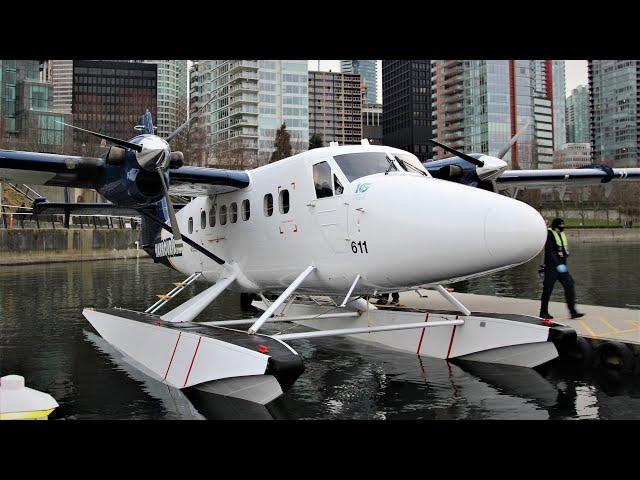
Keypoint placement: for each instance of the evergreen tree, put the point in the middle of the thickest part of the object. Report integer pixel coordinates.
(315, 141)
(282, 144)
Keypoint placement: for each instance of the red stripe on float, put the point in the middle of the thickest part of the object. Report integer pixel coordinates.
(422, 334)
(174, 352)
(453, 334)
(192, 360)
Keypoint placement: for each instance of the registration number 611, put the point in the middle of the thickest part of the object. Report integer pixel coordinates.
(359, 247)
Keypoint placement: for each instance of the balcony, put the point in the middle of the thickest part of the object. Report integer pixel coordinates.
(237, 65)
(243, 87)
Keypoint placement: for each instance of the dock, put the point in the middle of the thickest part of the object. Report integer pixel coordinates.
(598, 324)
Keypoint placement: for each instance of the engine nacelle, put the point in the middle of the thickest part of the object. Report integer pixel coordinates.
(128, 185)
(176, 159)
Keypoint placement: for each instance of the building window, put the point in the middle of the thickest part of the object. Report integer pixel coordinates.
(190, 224)
(223, 215)
(233, 212)
(212, 217)
(284, 201)
(246, 210)
(203, 219)
(268, 205)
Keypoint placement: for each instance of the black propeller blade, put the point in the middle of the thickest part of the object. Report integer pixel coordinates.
(117, 141)
(464, 156)
(188, 120)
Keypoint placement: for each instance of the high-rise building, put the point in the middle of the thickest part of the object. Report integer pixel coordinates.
(614, 97)
(478, 105)
(369, 71)
(62, 79)
(172, 95)
(549, 82)
(578, 115)
(573, 155)
(27, 119)
(253, 99)
(407, 105)
(372, 123)
(110, 96)
(335, 107)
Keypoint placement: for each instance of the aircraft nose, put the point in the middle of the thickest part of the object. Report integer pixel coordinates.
(514, 232)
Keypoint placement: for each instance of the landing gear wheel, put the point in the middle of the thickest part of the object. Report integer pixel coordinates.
(615, 355)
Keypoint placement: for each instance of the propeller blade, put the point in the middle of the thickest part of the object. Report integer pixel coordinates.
(177, 238)
(177, 131)
(464, 156)
(117, 141)
(513, 140)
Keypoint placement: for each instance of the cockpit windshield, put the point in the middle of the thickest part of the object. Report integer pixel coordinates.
(357, 165)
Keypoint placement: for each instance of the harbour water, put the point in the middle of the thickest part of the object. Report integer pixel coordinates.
(44, 337)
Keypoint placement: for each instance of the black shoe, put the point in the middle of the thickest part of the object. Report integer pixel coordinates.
(546, 316)
(577, 315)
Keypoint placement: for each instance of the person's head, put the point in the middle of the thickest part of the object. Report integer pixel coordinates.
(557, 224)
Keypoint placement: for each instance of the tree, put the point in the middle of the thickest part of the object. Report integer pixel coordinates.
(282, 144)
(315, 141)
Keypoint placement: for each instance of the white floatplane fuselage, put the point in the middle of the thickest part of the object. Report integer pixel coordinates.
(397, 229)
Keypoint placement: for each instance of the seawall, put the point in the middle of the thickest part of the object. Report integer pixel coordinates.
(29, 246)
(604, 235)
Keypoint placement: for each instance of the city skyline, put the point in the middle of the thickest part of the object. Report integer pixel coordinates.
(576, 73)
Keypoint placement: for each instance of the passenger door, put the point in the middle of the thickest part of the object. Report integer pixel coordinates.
(330, 207)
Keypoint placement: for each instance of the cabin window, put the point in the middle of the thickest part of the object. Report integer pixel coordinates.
(190, 224)
(212, 217)
(223, 215)
(337, 186)
(268, 205)
(322, 180)
(233, 212)
(246, 210)
(284, 201)
(203, 219)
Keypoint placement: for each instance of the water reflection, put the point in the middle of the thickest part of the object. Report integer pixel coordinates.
(42, 336)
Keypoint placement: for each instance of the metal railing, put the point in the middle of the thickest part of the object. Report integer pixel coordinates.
(13, 217)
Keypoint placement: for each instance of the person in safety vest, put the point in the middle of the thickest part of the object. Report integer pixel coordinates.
(556, 251)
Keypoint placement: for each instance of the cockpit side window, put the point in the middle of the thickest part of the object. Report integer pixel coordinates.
(322, 180)
(337, 186)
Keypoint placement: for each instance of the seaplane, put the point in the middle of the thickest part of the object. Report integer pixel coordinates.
(311, 238)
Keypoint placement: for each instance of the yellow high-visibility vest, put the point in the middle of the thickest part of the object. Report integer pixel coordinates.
(561, 241)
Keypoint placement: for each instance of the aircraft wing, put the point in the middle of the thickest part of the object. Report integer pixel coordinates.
(34, 168)
(196, 181)
(589, 175)
(50, 169)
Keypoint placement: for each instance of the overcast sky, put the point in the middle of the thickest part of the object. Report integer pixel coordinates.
(575, 72)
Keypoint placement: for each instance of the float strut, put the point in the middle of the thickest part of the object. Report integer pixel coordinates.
(283, 296)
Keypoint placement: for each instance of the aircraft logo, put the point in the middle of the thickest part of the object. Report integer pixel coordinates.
(362, 187)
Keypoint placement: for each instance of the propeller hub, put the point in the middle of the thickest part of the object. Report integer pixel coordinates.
(155, 152)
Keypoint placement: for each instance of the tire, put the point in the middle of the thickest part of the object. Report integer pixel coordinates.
(615, 355)
(581, 352)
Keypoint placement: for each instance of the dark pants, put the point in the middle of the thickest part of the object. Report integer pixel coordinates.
(550, 277)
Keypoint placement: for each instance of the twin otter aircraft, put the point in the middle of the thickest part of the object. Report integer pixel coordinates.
(342, 222)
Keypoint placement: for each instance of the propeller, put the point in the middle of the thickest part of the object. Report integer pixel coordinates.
(513, 140)
(464, 156)
(117, 141)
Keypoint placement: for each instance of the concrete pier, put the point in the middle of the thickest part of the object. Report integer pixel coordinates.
(599, 323)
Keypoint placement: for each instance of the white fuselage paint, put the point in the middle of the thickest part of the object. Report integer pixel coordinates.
(418, 230)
